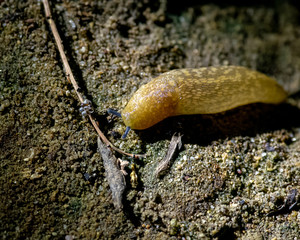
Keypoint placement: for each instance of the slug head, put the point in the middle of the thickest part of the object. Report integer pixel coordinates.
(152, 103)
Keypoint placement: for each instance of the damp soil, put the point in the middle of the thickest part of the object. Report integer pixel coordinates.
(237, 175)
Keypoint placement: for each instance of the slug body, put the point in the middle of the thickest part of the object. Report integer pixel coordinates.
(199, 91)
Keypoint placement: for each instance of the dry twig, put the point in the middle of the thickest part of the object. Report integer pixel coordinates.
(173, 146)
(71, 78)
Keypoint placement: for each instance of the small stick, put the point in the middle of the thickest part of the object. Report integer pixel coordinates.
(174, 145)
(71, 78)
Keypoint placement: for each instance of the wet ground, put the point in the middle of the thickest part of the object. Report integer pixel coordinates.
(237, 176)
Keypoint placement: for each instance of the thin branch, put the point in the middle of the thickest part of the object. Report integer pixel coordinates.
(71, 78)
(175, 144)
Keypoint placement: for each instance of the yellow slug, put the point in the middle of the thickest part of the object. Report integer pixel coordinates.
(199, 91)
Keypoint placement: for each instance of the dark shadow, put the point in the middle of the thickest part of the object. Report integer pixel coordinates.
(295, 95)
(226, 233)
(129, 212)
(247, 120)
(128, 208)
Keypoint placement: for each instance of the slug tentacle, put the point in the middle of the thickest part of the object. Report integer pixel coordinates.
(199, 91)
(114, 112)
(126, 132)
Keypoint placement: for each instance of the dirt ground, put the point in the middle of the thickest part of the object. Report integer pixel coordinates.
(236, 169)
